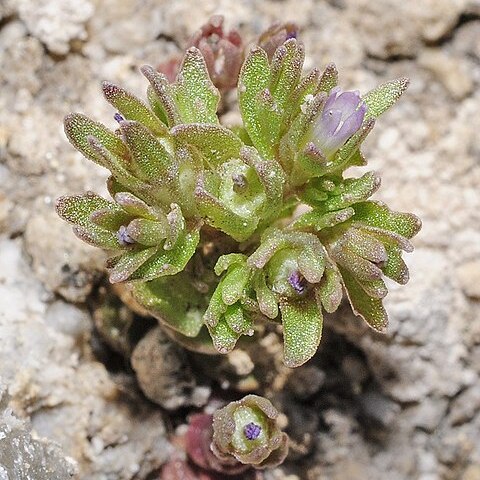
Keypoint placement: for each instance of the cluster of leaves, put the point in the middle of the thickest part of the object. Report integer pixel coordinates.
(201, 221)
(241, 435)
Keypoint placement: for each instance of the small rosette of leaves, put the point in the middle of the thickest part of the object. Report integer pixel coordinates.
(247, 430)
(307, 122)
(146, 242)
(200, 217)
(363, 238)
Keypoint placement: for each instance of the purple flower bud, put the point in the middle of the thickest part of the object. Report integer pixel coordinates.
(297, 281)
(342, 116)
(252, 431)
(123, 237)
(239, 182)
(119, 118)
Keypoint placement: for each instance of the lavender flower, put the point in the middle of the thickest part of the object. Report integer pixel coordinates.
(119, 118)
(342, 116)
(252, 431)
(297, 281)
(123, 237)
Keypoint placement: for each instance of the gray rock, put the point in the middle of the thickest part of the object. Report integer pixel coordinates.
(56, 22)
(23, 457)
(163, 373)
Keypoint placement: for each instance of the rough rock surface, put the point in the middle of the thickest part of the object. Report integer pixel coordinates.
(406, 403)
(27, 458)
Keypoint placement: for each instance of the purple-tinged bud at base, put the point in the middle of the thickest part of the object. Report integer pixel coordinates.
(119, 118)
(123, 237)
(298, 282)
(252, 431)
(342, 116)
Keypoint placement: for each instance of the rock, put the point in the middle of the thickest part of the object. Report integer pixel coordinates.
(469, 278)
(56, 22)
(68, 319)
(465, 406)
(70, 398)
(471, 473)
(378, 409)
(391, 29)
(63, 263)
(163, 373)
(452, 72)
(23, 457)
(466, 39)
(306, 381)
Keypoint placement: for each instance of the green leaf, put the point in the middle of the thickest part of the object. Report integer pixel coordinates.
(361, 269)
(233, 285)
(79, 128)
(135, 206)
(78, 209)
(169, 262)
(349, 154)
(329, 78)
(225, 261)
(267, 301)
(377, 214)
(196, 97)
(174, 301)
(110, 219)
(395, 268)
(271, 176)
(150, 159)
(286, 69)
(384, 96)
(122, 175)
(307, 86)
(302, 329)
(161, 96)
(369, 308)
(217, 144)
(223, 336)
(329, 292)
(133, 108)
(129, 262)
(356, 190)
(147, 232)
(253, 80)
(365, 245)
(317, 220)
(219, 216)
(238, 320)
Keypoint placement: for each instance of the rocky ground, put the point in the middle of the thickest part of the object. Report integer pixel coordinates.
(407, 403)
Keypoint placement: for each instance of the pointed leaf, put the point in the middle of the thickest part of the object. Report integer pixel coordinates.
(151, 160)
(224, 338)
(196, 97)
(377, 214)
(329, 78)
(253, 80)
(169, 262)
(330, 292)
(302, 329)
(370, 309)
(79, 128)
(267, 301)
(147, 232)
(162, 96)
(217, 144)
(174, 301)
(356, 190)
(384, 96)
(128, 263)
(133, 108)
